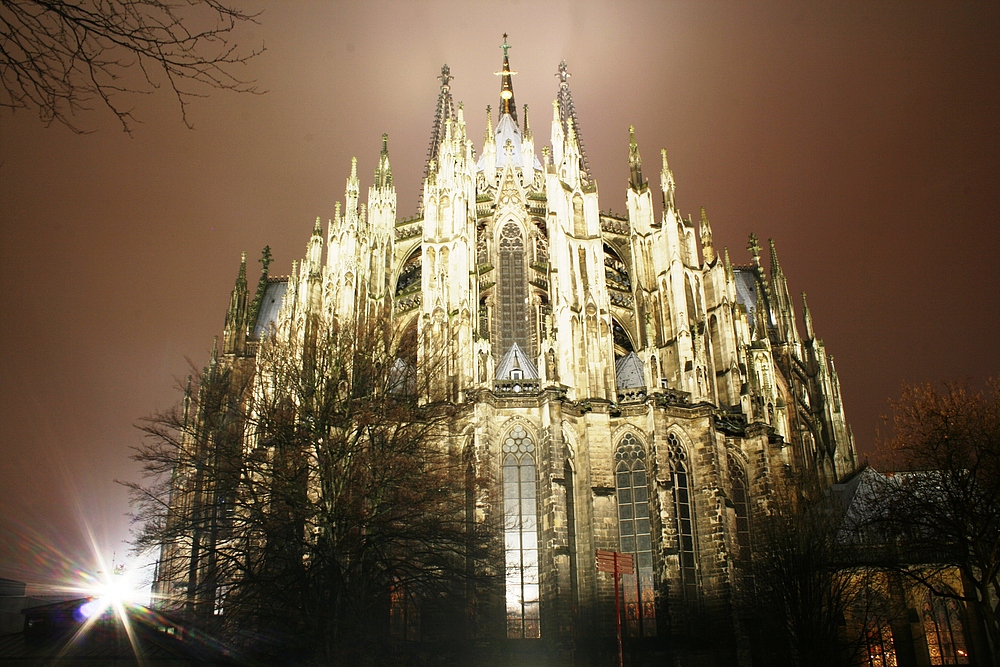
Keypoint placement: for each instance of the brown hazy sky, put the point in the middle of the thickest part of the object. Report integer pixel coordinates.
(863, 137)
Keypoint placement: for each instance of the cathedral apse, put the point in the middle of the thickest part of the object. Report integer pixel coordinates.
(620, 383)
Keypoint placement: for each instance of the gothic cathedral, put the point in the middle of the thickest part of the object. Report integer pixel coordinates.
(627, 386)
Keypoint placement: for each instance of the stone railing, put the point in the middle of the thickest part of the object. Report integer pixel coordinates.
(409, 231)
(516, 387)
(667, 397)
(613, 226)
(632, 395)
(407, 302)
(619, 299)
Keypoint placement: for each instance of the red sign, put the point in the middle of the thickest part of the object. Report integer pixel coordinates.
(613, 562)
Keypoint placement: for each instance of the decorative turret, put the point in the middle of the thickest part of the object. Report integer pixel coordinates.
(567, 119)
(381, 228)
(807, 318)
(235, 333)
(667, 184)
(706, 237)
(787, 328)
(635, 181)
(383, 173)
(445, 110)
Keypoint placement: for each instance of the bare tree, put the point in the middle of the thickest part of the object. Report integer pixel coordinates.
(313, 496)
(940, 512)
(802, 584)
(61, 57)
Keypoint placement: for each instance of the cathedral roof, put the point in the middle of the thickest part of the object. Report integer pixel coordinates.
(745, 291)
(516, 360)
(629, 372)
(269, 307)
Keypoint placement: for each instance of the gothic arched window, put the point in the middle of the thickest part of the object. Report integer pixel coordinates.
(513, 313)
(520, 515)
(880, 649)
(943, 629)
(684, 517)
(741, 503)
(635, 536)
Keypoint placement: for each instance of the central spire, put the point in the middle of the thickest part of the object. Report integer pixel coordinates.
(507, 105)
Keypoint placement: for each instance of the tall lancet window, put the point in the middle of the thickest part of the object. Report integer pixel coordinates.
(520, 515)
(635, 536)
(685, 518)
(513, 311)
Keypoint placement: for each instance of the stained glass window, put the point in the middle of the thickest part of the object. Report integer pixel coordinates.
(635, 536)
(943, 629)
(513, 313)
(404, 616)
(881, 651)
(520, 535)
(684, 518)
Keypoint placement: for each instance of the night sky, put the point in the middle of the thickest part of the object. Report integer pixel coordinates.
(863, 137)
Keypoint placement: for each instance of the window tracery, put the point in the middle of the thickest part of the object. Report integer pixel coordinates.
(943, 630)
(520, 491)
(513, 325)
(635, 536)
(684, 517)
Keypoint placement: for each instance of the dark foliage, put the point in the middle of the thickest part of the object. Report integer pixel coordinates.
(302, 493)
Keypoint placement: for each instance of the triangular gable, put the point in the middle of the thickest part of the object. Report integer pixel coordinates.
(516, 360)
(629, 372)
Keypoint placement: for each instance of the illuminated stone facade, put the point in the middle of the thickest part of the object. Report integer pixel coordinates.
(627, 386)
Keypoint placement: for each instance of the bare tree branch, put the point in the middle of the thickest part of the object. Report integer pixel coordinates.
(64, 57)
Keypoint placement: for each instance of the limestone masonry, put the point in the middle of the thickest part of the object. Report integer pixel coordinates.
(626, 385)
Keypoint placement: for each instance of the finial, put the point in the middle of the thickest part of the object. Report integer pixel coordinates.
(505, 46)
(527, 128)
(354, 168)
(754, 247)
(445, 75)
(634, 161)
(706, 237)
(663, 157)
(807, 318)
(336, 211)
(317, 228)
(265, 258)
(383, 172)
(775, 266)
(563, 74)
(241, 277)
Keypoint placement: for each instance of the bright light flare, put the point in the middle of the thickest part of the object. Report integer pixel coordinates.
(111, 592)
